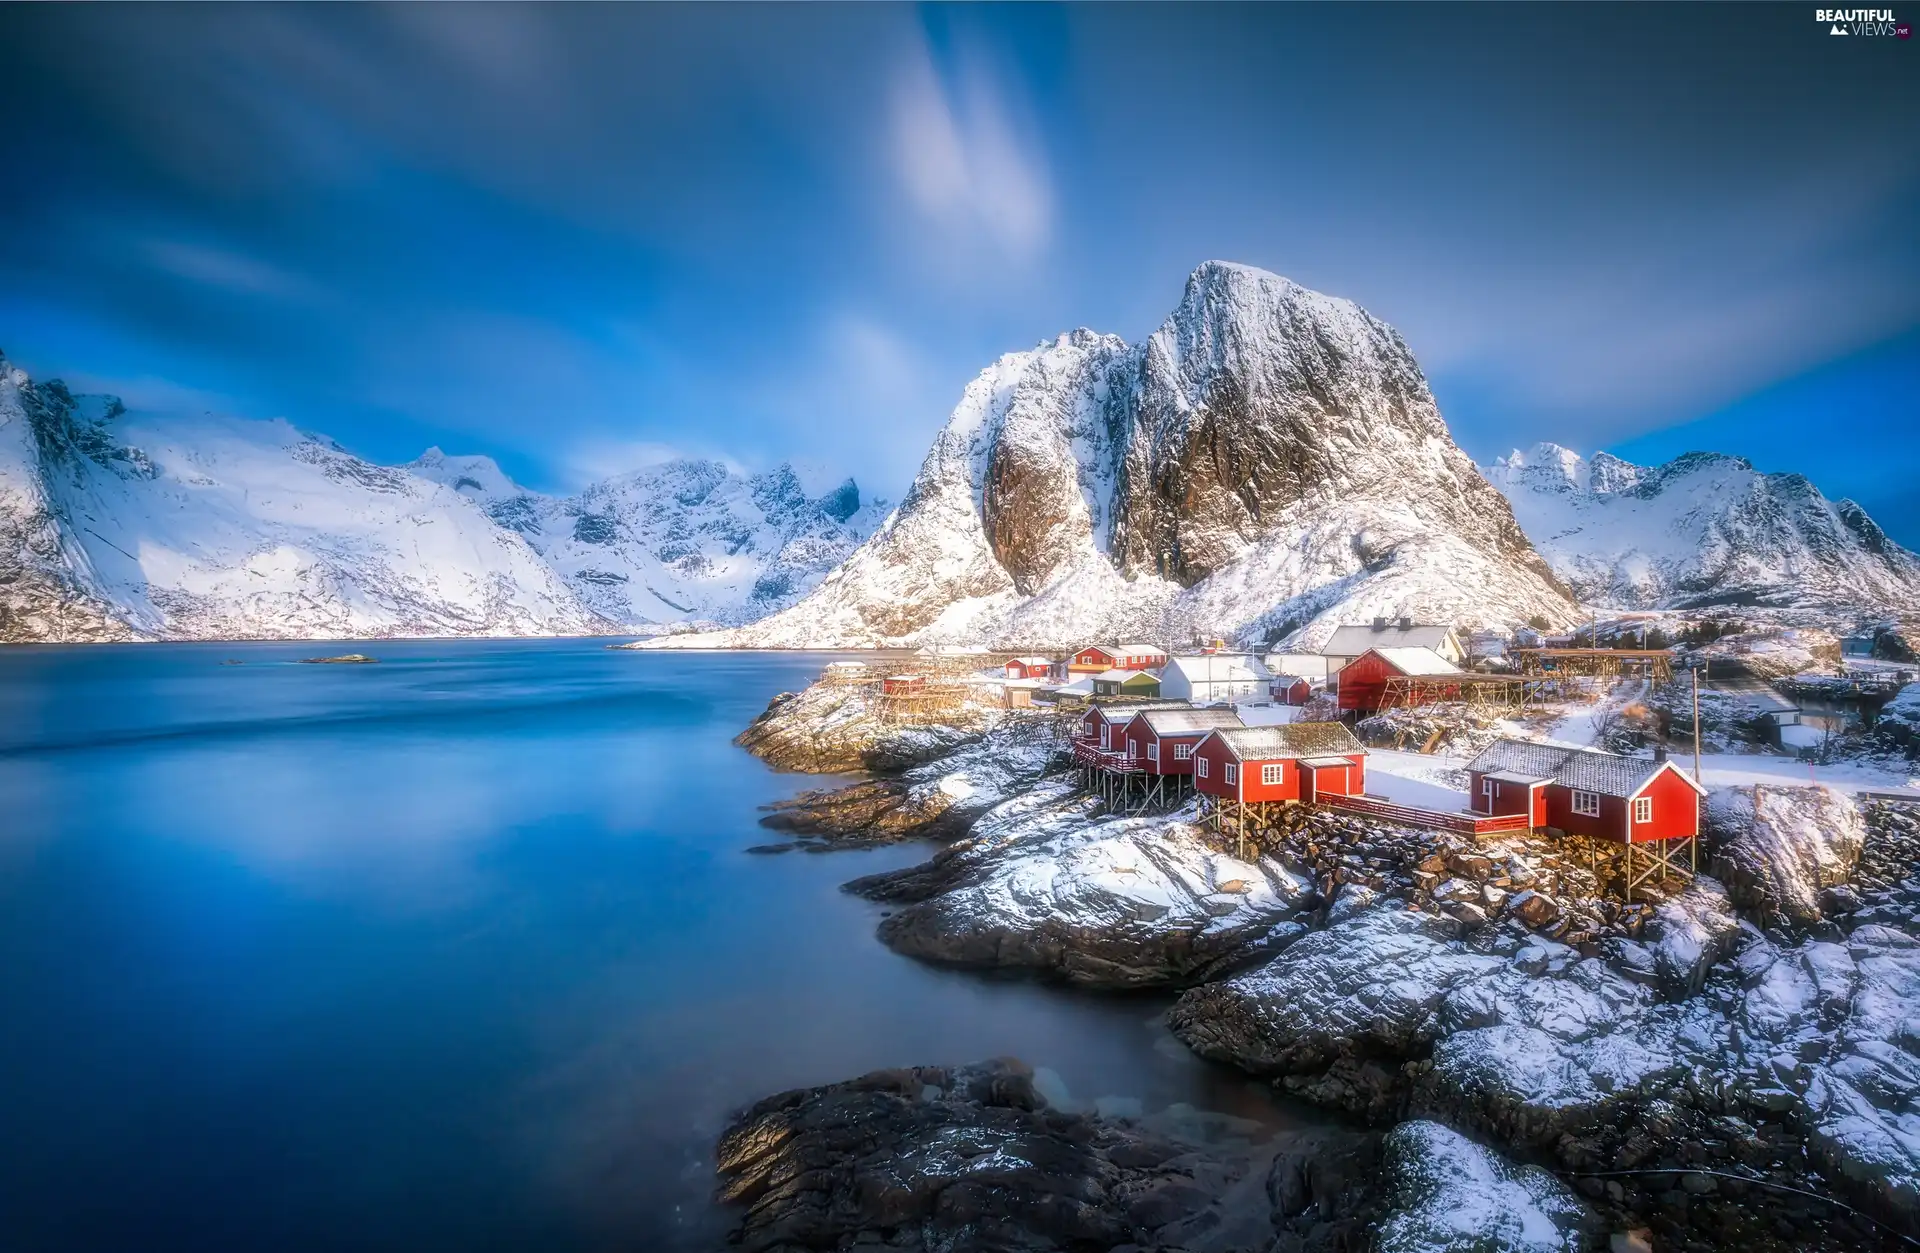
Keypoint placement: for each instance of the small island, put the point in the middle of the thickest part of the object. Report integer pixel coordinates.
(345, 659)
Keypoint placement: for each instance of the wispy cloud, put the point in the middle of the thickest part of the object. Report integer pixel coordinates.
(966, 164)
(227, 270)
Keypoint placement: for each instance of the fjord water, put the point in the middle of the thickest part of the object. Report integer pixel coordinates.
(462, 950)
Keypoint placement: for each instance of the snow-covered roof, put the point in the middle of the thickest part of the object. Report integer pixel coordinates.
(1515, 776)
(1031, 661)
(1118, 675)
(1222, 668)
(1125, 713)
(1082, 686)
(1139, 650)
(1294, 739)
(1417, 661)
(1351, 641)
(1182, 721)
(1587, 769)
(1327, 762)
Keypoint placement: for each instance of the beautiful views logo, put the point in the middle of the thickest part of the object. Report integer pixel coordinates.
(1862, 22)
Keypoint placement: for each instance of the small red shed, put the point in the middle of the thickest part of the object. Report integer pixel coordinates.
(903, 685)
(1295, 762)
(1288, 690)
(1363, 681)
(1029, 668)
(1582, 791)
(1165, 738)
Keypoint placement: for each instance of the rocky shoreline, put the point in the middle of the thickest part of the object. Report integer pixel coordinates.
(1711, 1070)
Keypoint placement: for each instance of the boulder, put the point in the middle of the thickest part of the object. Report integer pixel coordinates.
(1446, 1194)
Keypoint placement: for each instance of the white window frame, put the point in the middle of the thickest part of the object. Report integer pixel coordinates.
(1153, 750)
(1586, 804)
(1200, 767)
(1233, 774)
(1486, 788)
(1643, 809)
(1182, 752)
(1106, 735)
(1273, 773)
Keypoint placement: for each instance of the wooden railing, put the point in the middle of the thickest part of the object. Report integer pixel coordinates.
(1431, 819)
(1089, 753)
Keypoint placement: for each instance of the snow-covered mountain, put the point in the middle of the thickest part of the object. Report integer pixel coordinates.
(1269, 463)
(1703, 529)
(685, 541)
(218, 528)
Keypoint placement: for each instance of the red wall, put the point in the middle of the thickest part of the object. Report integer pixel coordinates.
(1610, 825)
(1333, 782)
(1139, 735)
(1215, 783)
(1508, 798)
(1092, 659)
(1676, 808)
(1363, 681)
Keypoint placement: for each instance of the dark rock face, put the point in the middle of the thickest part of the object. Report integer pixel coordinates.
(830, 729)
(971, 1160)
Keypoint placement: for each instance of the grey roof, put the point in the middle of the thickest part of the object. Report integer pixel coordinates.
(1291, 739)
(1181, 721)
(1584, 768)
(1351, 641)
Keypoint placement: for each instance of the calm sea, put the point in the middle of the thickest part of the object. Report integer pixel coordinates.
(462, 950)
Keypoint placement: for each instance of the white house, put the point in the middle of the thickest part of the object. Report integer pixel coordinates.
(1348, 642)
(1214, 676)
(1309, 666)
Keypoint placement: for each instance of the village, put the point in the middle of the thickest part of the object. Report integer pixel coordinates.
(1412, 724)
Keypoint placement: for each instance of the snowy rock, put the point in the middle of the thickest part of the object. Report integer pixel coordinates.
(837, 729)
(1690, 934)
(1269, 463)
(1703, 529)
(1446, 1194)
(1782, 854)
(1121, 903)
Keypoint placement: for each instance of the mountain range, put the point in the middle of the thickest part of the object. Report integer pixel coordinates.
(1266, 465)
(217, 528)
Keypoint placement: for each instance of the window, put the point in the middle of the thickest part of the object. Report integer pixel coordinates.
(1200, 768)
(1643, 809)
(1486, 787)
(1586, 803)
(1181, 752)
(1153, 752)
(1233, 773)
(1274, 773)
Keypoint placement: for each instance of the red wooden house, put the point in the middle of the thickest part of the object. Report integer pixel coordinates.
(1363, 681)
(1296, 762)
(1098, 658)
(1164, 739)
(1582, 791)
(1103, 727)
(1029, 668)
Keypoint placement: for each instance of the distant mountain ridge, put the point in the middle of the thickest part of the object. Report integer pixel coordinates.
(217, 528)
(1704, 529)
(1266, 465)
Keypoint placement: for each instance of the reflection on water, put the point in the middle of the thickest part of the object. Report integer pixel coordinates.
(457, 951)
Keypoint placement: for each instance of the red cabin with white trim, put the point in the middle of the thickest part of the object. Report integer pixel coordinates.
(1165, 739)
(1029, 668)
(1295, 762)
(1363, 681)
(1099, 658)
(1582, 791)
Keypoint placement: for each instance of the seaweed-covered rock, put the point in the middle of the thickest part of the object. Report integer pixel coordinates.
(974, 1160)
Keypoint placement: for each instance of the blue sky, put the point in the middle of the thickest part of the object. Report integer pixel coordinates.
(582, 238)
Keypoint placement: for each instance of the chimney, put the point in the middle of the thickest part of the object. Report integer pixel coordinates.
(1659, 752)
(1379, 624)
(1406, 624)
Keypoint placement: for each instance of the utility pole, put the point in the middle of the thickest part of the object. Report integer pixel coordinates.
(1696, 721)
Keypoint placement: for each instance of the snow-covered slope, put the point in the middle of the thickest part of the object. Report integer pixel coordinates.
(221, 528)
(1270, 463)
(216, 528)
(678, 542)
(1703, 529)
